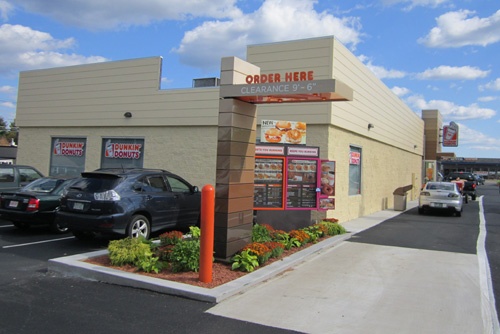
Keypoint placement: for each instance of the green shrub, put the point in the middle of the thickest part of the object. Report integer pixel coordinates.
(261, 233)
(185, 256)
(276, 248)
(333, 228)
(127, 251)
(195, 232)
(288, 242)
(134, 251)
(244, 261)
(260, 249)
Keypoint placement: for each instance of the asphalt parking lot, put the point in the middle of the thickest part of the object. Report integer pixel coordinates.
(36, 300)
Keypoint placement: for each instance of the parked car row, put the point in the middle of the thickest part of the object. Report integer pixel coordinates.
(124, 202)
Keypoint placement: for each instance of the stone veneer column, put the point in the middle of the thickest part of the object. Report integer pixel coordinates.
(235, 164)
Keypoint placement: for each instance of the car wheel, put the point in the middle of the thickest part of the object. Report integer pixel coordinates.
(84, 236)
(473, 197)
(458, 213)
(139, 227)
(21, 225)
(58, 228)
(420, 211)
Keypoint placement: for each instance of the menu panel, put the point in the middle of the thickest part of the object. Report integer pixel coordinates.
(302, 183)
(268, 183)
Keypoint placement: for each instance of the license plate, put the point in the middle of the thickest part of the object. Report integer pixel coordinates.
(13, 204)
(439, 205)
(78, 206)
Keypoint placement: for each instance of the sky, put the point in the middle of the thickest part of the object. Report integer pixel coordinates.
(433, 54)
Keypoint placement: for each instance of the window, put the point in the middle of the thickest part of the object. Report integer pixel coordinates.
(177, 185)
(156, 183)
(28, 174)
(7, 174)
(67, 156)
(122, 153)
(354, 170)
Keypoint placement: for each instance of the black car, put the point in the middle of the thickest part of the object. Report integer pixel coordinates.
(470, 183)
(129, 202)
(35, 203)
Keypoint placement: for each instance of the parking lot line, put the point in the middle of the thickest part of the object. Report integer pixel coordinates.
(6, 226)
(37, 242)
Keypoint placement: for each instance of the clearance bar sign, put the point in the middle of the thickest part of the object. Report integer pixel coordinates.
(290, 87)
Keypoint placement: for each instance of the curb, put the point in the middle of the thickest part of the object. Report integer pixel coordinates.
(74, 266)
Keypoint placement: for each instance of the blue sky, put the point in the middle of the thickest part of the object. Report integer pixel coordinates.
(434, 54)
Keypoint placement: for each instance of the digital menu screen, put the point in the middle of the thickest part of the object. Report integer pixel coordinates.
(268, 183)
(301, 183)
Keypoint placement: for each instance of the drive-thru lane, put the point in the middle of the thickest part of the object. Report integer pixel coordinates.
(409, 274)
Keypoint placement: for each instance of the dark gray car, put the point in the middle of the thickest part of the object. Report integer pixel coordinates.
(129, 202)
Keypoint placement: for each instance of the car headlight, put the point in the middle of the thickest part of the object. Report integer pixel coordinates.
(109, 195)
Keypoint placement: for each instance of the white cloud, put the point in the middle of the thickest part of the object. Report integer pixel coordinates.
(452, 73)
(477, 140)
(400, 91)
(7, 89)
(111, 14)
(492, 85)
(381, 72)
(5, 9)
(450, 110)
(22, 48)
(7, 104)
(275, 20)
(415, 3)
(487, 98)
(459, 28)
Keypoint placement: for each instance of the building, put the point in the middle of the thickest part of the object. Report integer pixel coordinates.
(69, 116)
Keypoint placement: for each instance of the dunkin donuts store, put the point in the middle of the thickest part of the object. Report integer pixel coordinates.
(298, 131)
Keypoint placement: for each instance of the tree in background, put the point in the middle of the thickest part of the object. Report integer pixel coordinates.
(10, 133)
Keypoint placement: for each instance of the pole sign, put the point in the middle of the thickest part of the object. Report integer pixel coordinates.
(450, 135)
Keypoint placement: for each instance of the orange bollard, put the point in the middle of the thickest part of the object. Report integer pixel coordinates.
(207, 233)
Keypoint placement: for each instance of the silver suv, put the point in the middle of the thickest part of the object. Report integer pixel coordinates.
(14, 177)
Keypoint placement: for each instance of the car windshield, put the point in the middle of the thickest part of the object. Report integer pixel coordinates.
(43, 185)
(440, 186)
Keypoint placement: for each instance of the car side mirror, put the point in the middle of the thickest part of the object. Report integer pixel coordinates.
(196, 189)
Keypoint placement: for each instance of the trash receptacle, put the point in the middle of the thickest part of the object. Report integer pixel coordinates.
(400, 197)
(399, 202)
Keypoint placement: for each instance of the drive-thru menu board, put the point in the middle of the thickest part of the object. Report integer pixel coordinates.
(268, 182)
(288, 177)
(301, 183)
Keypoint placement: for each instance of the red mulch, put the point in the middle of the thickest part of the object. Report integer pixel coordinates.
(221, 272)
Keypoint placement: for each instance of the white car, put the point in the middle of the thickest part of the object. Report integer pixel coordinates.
(440, 196)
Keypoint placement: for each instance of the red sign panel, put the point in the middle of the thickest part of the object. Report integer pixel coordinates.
(450, 134)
